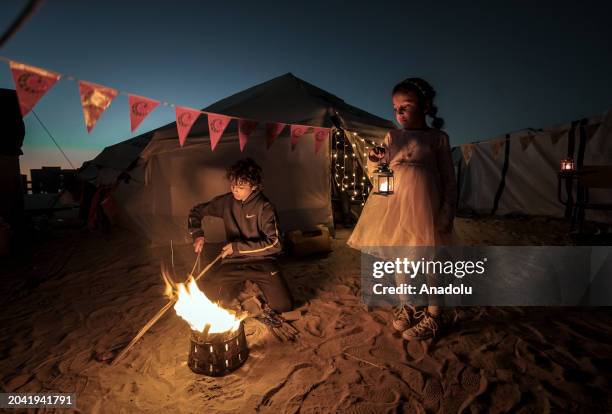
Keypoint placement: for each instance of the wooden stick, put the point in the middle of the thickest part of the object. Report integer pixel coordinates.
(206, 268)
(205, 332)
(362, 360)
(158, 315)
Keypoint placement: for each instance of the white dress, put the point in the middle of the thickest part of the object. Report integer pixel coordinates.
(421, 210)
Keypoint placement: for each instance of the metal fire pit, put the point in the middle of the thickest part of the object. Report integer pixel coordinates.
(217, 354)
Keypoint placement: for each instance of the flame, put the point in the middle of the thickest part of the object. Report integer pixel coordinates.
(193, 306)
(384, 186)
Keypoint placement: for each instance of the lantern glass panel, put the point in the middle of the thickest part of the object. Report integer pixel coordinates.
(383, 180)
(567, 165)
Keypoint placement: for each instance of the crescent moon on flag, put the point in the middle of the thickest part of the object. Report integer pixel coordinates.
(185, 121)
(140, 108)
(32, 83)
(217, 125)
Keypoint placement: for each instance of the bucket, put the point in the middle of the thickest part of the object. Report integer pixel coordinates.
(217, 354)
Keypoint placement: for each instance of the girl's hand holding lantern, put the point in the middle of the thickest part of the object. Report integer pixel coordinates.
(376, 154)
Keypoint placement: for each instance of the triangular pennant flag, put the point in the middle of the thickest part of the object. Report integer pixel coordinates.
(216, 125)
(31, 83)
(526, 141)
(320, 135)
(140, 108)
(555, 136)
(94, 99)
(467, 150)
(296, 132)
(245, 128)
(496, 146)
(185, 118)
(273, 130)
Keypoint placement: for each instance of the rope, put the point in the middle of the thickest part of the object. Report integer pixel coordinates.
(53, 139)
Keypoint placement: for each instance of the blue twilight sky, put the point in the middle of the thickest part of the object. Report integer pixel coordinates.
(497, 66)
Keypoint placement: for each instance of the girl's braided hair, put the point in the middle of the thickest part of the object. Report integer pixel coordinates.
(426, 94)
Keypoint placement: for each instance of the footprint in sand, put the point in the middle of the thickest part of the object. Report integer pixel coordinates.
(360, 407)
(504, 397)
(325, 398)
(470, 380)
(454, 398)
(17, 381)
(336, 345)
(432, 394)
(417, 350)
(313, 326)
(293, 388)
(69, 383)
(103, 317)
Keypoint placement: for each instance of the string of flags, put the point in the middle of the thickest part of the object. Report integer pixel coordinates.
(497, 145)
(32, 83)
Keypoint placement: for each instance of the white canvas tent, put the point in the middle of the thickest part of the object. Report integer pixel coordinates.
(167, 180)
(522, 178)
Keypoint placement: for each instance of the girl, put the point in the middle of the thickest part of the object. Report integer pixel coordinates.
(422, 208)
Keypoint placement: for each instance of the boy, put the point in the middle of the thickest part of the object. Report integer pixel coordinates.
(251, 227)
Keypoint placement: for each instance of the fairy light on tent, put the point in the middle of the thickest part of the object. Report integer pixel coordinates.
(350, 146)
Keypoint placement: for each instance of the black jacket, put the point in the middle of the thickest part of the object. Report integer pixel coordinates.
(251, 225)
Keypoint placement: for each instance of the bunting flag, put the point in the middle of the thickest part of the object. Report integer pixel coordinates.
(467, 150)
(526, 141)
(216, 125)
(496, 146)
(320, 135)
(140, 108)
(245, 128)
(95, 99)
(273, 130)
(185, 118)
(555, 136)
(31, 83)
(296, 132)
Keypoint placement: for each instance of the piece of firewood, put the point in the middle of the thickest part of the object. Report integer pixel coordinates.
(158, 315)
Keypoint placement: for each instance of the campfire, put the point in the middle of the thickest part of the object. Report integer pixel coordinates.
(218, 343)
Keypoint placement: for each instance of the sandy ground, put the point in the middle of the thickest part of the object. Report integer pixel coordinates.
(83, 294)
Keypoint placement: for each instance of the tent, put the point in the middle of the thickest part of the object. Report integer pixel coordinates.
(517, 173)
(161, 181)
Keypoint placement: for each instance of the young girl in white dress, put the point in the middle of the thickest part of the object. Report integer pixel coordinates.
(422, 208)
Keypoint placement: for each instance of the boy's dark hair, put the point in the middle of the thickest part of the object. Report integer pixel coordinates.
(426, 94)
(245, 170)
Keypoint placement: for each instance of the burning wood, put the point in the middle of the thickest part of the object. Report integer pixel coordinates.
(160, 313)
(194, 307)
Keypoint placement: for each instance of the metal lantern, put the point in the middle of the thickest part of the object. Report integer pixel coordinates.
(383, 182)
(568, 165)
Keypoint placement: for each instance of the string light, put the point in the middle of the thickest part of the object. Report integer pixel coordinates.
(358, 188)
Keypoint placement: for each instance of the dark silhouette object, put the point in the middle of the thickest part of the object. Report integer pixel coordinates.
(51, 180)
(588, 178)
(13, 131)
